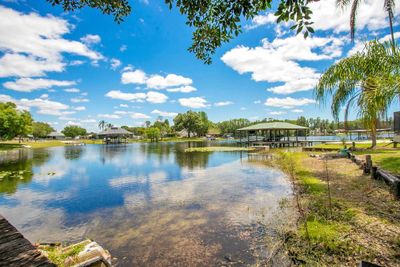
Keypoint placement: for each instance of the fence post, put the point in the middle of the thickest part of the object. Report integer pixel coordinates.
(374, 171)
(368, 164)
(396, 188)
(353, 145)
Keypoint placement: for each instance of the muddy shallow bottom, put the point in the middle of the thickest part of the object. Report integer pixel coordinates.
(150, 205)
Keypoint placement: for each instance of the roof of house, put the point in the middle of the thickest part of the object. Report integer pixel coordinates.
(115, 131)
(273, 126)
(55, 134)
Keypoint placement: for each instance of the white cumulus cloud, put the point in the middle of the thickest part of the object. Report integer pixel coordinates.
(182, 89)
(29, 84)
(155, 81)
(193, 102)
(42, 106)
(288, 102)
(152, 97)
(223, 103)
(277, 61)
(33, 44)
(164, 113)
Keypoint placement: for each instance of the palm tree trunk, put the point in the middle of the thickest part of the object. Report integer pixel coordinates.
(391, 30)
(374, 134)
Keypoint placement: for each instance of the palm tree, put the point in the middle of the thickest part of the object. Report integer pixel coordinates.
(366, 79)
(109, 125)
(102, 124)
(388, 5)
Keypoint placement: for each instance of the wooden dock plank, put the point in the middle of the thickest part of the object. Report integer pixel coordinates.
(15, 250)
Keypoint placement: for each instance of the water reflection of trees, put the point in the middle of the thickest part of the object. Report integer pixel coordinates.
(163, 151)
(73, 152)
(18, 168)
(192, 160)
(108, 152)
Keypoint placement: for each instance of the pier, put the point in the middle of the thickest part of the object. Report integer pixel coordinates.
(16, 250)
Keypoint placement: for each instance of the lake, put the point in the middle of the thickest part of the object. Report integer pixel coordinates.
(148, 204)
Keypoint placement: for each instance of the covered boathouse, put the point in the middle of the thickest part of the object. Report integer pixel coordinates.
(274, 134)
(115, 135)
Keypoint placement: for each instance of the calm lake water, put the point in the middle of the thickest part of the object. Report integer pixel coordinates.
(149, 204)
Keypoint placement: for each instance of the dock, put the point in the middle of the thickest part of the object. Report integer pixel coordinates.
(16, 250)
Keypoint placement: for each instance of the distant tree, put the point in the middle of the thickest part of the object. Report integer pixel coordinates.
(153, 134)
(230, 126)
(74, 131)
(302, 121)
(41, 129)
(204, 124)
(14, 122)
(163, 126)
(213, 22)
(109, 125)
(102, 124)
(189, 121)
(147, 124)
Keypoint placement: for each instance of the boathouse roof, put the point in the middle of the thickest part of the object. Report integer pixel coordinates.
(115, 131)
(55, 134)
(273, 126)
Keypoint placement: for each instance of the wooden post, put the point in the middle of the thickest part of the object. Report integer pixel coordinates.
(374, 172)
(353, 145)
(368, 164)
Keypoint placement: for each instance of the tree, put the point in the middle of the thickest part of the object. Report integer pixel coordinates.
(153, 134)
(14, 122)
(230, 126)
(388, 6)
(215, 22)
(189, 121)
(41, 129)
(102, 124)
(364, 78)
(204, 124)
(163, 126)
(74, 131)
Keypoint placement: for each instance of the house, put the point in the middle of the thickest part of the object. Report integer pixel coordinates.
(56, 136)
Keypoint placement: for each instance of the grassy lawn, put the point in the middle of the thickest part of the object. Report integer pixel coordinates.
(384, 156)
(38, 144)
(359, 145)
(387, 159)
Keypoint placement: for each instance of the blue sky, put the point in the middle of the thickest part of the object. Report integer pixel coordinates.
(82, 67)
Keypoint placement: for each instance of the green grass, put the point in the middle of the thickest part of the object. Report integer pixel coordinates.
(311, 184)
(58, 255)
(326, 234)
(6, 146)
(38, 144)
(359, 145)
(387, 159)
(218, 149)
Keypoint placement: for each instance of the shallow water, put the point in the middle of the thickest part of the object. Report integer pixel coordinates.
(149, 204)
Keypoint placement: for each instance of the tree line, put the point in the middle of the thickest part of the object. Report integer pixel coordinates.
(16, 123)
